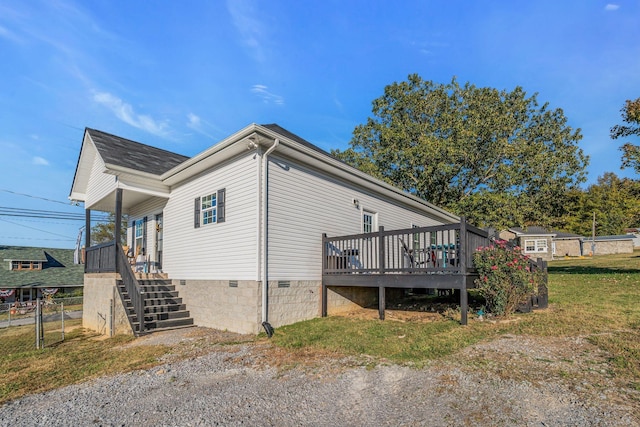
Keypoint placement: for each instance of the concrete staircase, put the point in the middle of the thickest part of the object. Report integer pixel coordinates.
(163, 309)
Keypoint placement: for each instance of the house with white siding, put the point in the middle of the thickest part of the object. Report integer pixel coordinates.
(233, 236)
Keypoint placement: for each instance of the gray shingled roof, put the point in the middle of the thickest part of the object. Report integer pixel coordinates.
(134, 155)
(58, 269)
(282, 131)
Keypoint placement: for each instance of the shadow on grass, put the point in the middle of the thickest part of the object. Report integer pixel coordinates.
(575, 269)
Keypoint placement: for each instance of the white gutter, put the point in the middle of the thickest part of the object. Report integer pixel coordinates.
(265, 277)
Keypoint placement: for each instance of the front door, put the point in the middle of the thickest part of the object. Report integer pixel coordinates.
(159, 226)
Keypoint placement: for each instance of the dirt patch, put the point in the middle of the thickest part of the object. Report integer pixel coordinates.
(399, 315)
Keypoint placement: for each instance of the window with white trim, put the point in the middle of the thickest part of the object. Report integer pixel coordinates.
(139, 236)
(368, 221)
(535, 246)
(209, 206)
(210, 209)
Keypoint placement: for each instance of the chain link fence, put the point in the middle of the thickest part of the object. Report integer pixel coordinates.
(38, 324)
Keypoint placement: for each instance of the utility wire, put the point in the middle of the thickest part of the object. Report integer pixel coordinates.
(33, 228)
(37, 197)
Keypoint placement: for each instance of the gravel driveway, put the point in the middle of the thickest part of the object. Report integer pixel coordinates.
(565, 383)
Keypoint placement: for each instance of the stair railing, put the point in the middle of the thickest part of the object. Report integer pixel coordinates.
(132, 287)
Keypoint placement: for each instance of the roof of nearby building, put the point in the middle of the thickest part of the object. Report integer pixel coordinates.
(534, 230)
(58, 269)
(130, 154)
(605, 238)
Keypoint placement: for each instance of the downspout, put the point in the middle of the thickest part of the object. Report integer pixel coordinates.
(265, 277)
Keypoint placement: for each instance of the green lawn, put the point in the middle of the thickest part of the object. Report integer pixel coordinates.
(598, 298)
(595, 297)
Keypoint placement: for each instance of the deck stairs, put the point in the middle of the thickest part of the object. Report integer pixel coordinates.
(163, 308)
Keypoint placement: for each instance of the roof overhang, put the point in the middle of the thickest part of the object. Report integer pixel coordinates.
(255, 135)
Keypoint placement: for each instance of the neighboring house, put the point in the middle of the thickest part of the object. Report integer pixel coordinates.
(27, 273)
(607, 245)
(238, 228)
(538, 242)
(635, 233)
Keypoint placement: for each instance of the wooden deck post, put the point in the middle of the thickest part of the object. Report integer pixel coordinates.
(323, 311)
(463, 268)
(381, 250)
(381, 266)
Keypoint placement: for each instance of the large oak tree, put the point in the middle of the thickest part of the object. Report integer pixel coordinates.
(497, 157)
(630, 152)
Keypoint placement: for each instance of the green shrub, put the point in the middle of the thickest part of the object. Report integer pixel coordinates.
(506, 280)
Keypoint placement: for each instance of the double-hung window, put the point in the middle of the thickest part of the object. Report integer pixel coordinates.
(210, 209)
(139, 230)
(535, 246)
(368, 221)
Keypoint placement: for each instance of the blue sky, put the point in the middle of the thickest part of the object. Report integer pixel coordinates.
(182, 75)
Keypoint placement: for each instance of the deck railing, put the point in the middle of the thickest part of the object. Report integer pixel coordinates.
(101, 258)
(133, 289)
(445, 248)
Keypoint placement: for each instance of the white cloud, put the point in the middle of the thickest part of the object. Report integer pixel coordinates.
(194, 121)
(125, 112)
(40, 161)
(611, 7)
(201, 126)
(266, 96)
(249, 25)
(7, 34)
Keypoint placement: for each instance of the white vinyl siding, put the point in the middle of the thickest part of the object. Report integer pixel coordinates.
(100, 184)
(303, 204)
(227, 250)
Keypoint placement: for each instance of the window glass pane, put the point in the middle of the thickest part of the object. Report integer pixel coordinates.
(367, 222)
(209, 209)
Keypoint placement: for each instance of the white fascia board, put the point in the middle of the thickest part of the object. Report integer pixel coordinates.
(210, 157)
(351, 174)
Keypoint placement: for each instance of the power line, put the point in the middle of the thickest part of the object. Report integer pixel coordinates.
(37, 197)
(33, 238)
(33, 228)
(46, 214)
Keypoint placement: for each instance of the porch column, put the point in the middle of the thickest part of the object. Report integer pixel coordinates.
(87, 235)
(118, 225)
(463, 269)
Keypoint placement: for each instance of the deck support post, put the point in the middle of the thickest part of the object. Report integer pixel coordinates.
(324, 300)
(381, 301)
(463, 268)
(323, 309)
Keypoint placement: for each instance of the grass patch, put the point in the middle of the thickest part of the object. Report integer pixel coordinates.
(80, 357)
(595, 297)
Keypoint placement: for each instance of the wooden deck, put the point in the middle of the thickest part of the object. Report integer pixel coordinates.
(436, 257)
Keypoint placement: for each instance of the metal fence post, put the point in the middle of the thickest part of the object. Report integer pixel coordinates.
(62, 311)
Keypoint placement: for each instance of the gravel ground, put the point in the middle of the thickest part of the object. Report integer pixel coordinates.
(565, 382)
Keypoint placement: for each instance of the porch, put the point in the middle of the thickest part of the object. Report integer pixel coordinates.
(434, 257)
